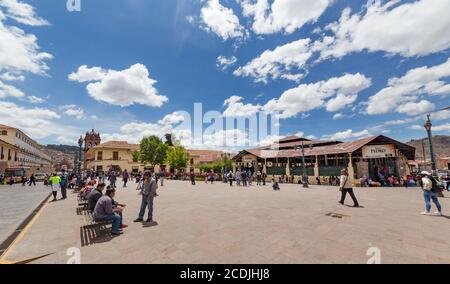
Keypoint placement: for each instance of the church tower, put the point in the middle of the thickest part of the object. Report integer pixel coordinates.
(91, 140)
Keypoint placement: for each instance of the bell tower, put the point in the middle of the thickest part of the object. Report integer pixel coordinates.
(91, 140)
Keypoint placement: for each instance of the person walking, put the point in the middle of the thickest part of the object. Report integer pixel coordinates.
(162, 175)
(112, 179)
(258, 178)
(264, 177)
(345, 187)
(230, 177)
(192, 177)
(430, 192)
(55, 181)
(125, 177)
(63, 182)
(148, 194)
(32, 180)
(238, 178)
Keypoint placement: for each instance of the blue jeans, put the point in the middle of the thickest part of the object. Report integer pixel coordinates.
(428, 195)
(146, 202)
(117, 220)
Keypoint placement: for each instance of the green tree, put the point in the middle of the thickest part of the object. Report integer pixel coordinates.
(153, 151)
(136, 156)
(177, 157)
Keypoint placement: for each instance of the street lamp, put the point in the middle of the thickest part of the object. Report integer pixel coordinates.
(428, 126)
(80, 144)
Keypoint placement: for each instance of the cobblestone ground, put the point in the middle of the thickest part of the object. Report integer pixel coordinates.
(219, 224)
(16, 203)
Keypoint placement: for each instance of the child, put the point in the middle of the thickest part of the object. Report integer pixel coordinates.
(275, 185)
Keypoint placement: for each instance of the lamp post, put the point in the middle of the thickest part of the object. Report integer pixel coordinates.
(80, 144)
(428, 126)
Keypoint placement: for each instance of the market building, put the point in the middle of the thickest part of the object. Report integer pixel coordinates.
(362, 158)
(19, 150)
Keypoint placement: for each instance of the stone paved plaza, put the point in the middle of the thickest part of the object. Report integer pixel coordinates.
(219, 224)
(16, 203)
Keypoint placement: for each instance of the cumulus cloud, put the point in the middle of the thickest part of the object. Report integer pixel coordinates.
(10, 91)
(35, 100)
(173, 118)
(37, 122)
(236, 108)
(282, 15)
(410, 29)
(221, 20)
(224, 62)
(74, 111)
(121, 88)
(413, 108)
(279, 63)
(334, 93)
(19, 51)
(22, 13)
(347, 134)
(409, 88)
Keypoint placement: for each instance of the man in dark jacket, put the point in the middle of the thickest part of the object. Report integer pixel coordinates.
(94, 196)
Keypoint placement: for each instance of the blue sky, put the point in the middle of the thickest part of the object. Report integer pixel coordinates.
(332, 69)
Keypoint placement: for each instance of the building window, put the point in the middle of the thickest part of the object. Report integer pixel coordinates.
(9, 154)
(4, 132)
(115, 156)
(100, 156)
(2, 156)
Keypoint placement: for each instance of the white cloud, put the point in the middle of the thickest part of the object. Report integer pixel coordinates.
(35, 100)
(22, 13)
(412, 108)
(345, 135)
(10, 91)
(74, 111)
(307, 97)
(235, 108)
(173, 118)
(410, 29)
(8, 76)
(340, 101)
(407, 89)
(278, 63)
(122, 88)
(221, 20)
(36, 122)
(225, 62)
(19, 51)
(283, 15)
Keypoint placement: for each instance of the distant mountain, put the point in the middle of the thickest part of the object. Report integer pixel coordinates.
(62, 148)
(441, 144)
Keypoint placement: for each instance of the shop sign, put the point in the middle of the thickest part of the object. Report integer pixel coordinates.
(378, 151)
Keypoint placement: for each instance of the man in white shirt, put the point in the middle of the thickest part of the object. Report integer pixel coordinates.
(429, 193)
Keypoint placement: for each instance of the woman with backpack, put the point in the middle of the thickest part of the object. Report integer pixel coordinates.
(430, 192)
(346, 186)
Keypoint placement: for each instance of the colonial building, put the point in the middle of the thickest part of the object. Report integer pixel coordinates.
(8, 156)
(363, 158)
(199, 157)
(22, 151)
(112, 155)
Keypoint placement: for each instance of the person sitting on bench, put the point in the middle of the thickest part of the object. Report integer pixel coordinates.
(105, 212)
(94, 196)
(121, 207)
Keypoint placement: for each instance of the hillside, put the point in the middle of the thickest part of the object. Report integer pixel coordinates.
(62, 148)
(441, 144)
